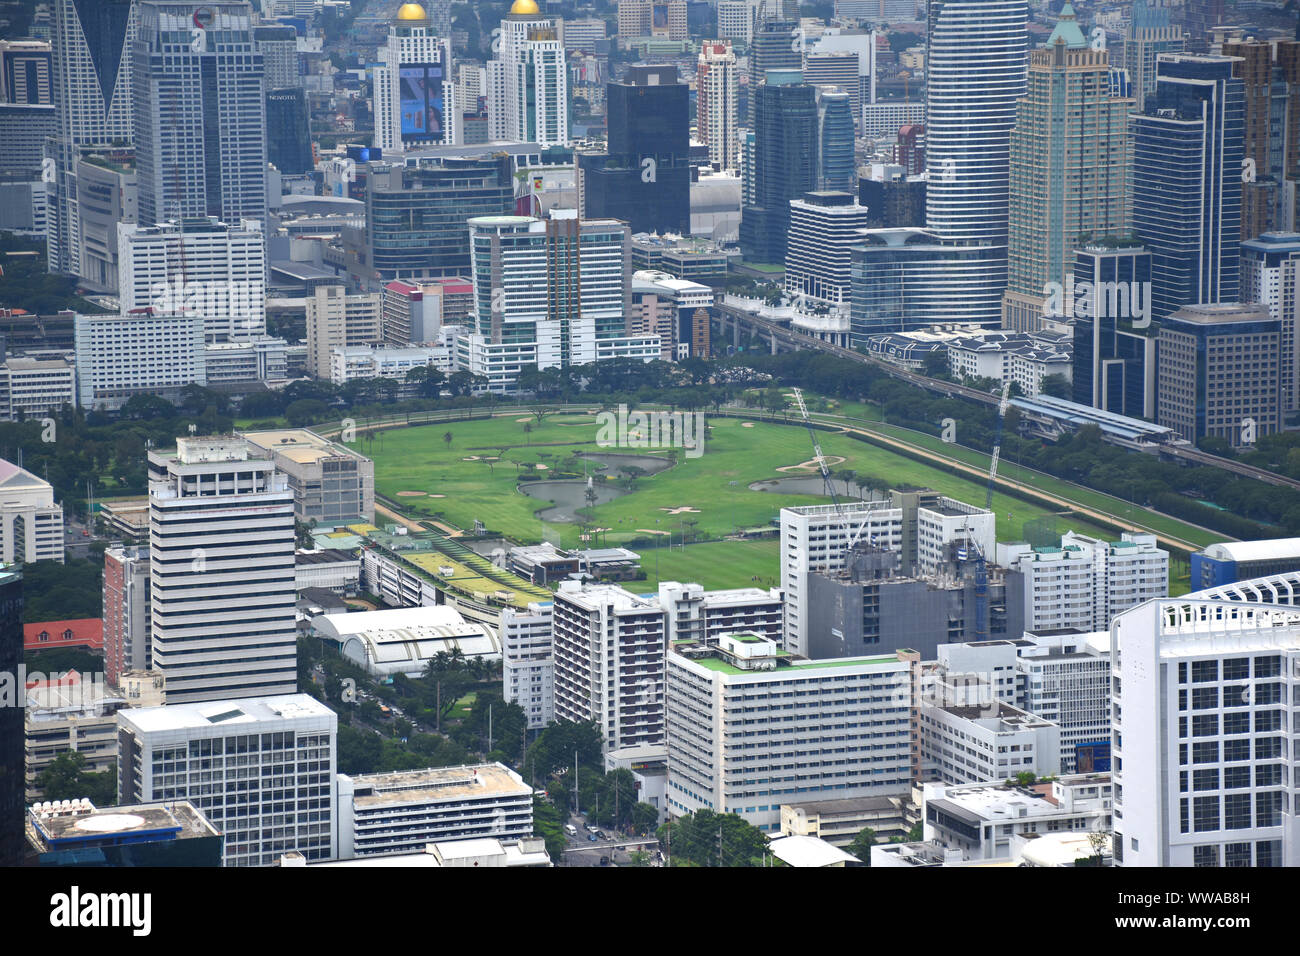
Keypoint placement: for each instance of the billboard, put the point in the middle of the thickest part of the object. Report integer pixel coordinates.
(420, 97)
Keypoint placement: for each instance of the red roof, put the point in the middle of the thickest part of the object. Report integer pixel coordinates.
(82, 632)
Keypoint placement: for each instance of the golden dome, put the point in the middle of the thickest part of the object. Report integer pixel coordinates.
(411, 11)
(526, 8)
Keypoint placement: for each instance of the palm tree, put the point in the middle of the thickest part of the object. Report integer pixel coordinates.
(446, 437)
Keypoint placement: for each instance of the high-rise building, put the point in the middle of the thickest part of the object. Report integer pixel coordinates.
(1114, 359)
(652, 18)
(824, 228)
(909, 152)
(976, 66)
(415, 217)
(336, 319)
(123, 355)
(1199, 737)
(92, 51)
(31, 522)
(200, 112)
(644, 178)
(1220, 373)
(278, 45)
(609, 648)
(1187, 165)
(12, 756)
(1151, 32)
(221, 544)
(127, 637)
(1069, 168)
(534, 77)
(777, 45)
(677, 310)
(786, 163)
(737, 19)
(288, 131)
(528, 661)
(415, 97)
(201, 267)
(106, 199)
(261, 769)
(1270, 75)
(25, 72)
(548, 293)
(717, 83)
(1270, 273)
(829, 56)
(751, 727)
(837, 169)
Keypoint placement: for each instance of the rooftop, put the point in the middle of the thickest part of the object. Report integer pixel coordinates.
(437, 783)
(57, 826)
(226, 713)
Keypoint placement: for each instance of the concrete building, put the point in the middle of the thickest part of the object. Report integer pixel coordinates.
(118, 356)
(466, 854)
(737, 19)
(207, 753)
(966, 743)
(171, 834)
(31, 523)
(652, 18)
(983, 820)
(534, 76)
(1151, 32)
(361, 362)
(824, 227)
(923, 527)
(36, 388)
(331, 483)
(609, 648)
(336, 319)
(221, 545)
(128, 625)
(717, 81)
(204, 268)
(384, 814)
(69, 715)
(1220, 373)
(1023, 358)
(838, 822)
(414, 95)
(327, 569)
(1270, 273)
(1230, 561)
(404, 640)
(678, 311)
(861, 746)
(106, 197)
(1199, 736)
(694, 614)
(528, 662)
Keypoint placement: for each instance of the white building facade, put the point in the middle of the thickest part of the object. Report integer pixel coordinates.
(528, 662)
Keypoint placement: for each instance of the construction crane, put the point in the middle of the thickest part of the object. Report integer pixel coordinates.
(817, 450)
(981, 562)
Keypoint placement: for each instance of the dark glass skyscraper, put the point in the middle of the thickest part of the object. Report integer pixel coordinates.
(837, 169)
(645, 178)
(1114, 357)
(1187, 162)
(288, 132)
(12, 781)
(785, 164)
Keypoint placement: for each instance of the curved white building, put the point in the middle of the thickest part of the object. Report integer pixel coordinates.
(977, 69)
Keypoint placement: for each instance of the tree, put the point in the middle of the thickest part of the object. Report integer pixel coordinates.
(446, 439)
(705, 838)
(1057, 386)
(66, 778)
(862, 843)
(305, 412)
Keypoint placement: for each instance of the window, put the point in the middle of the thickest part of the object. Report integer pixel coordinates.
(1206, 752)
(1205, 698)
(1205, 671)
(1236, 668)
(1205, 725)
(1205, 856)
(1206, 812)
(1206, 780)
(1237, 854)
(1236, 811)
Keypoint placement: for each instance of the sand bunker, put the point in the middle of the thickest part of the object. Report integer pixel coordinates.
(437, 496)
(653, 531)
(542, 467)
(526, 418)
(811, 464)
(746, 424)
(410, 494)
(684, 510)
(490, 458)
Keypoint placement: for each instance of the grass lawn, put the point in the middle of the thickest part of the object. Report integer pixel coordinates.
(714, 486)
(714, 564)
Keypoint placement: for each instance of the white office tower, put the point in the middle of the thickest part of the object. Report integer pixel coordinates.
(123, 355)
(609, 662)
(1085, 581)
(262, 770)
(548, 292)
(199, 113)
(528, 661)
(977, 67)
(692, 613)
(221, 543)
(1201, 736)
(751, 728)
(91, 53)
(824, 227)
(535, 77)
(1270, 273)
(415, 96)
(737, 19)
(201, 268)
(718, 103)
(31, 523)
(924, 528)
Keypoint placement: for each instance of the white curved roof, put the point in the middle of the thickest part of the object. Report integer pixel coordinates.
(404, 639)
(1272, 549)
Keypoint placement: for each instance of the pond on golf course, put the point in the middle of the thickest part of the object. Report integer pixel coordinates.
(807, 485)
(650, 464)
(569, 495)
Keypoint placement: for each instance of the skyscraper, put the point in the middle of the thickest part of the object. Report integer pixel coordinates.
(777, 45)
(1151, 32)
(976, 71)
(1187, 160)
(92, 90)
(221, 544)
(1114, 358)
(200, 116)
(414, 93)
(534, 77)
(645, 177)
(837, 170)
(1270, 273)
(718, 103)
(12, 784)
(785, 162)
(1069, 168)
(550, 293)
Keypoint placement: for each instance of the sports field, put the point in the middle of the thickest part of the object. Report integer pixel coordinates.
(476, 476)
